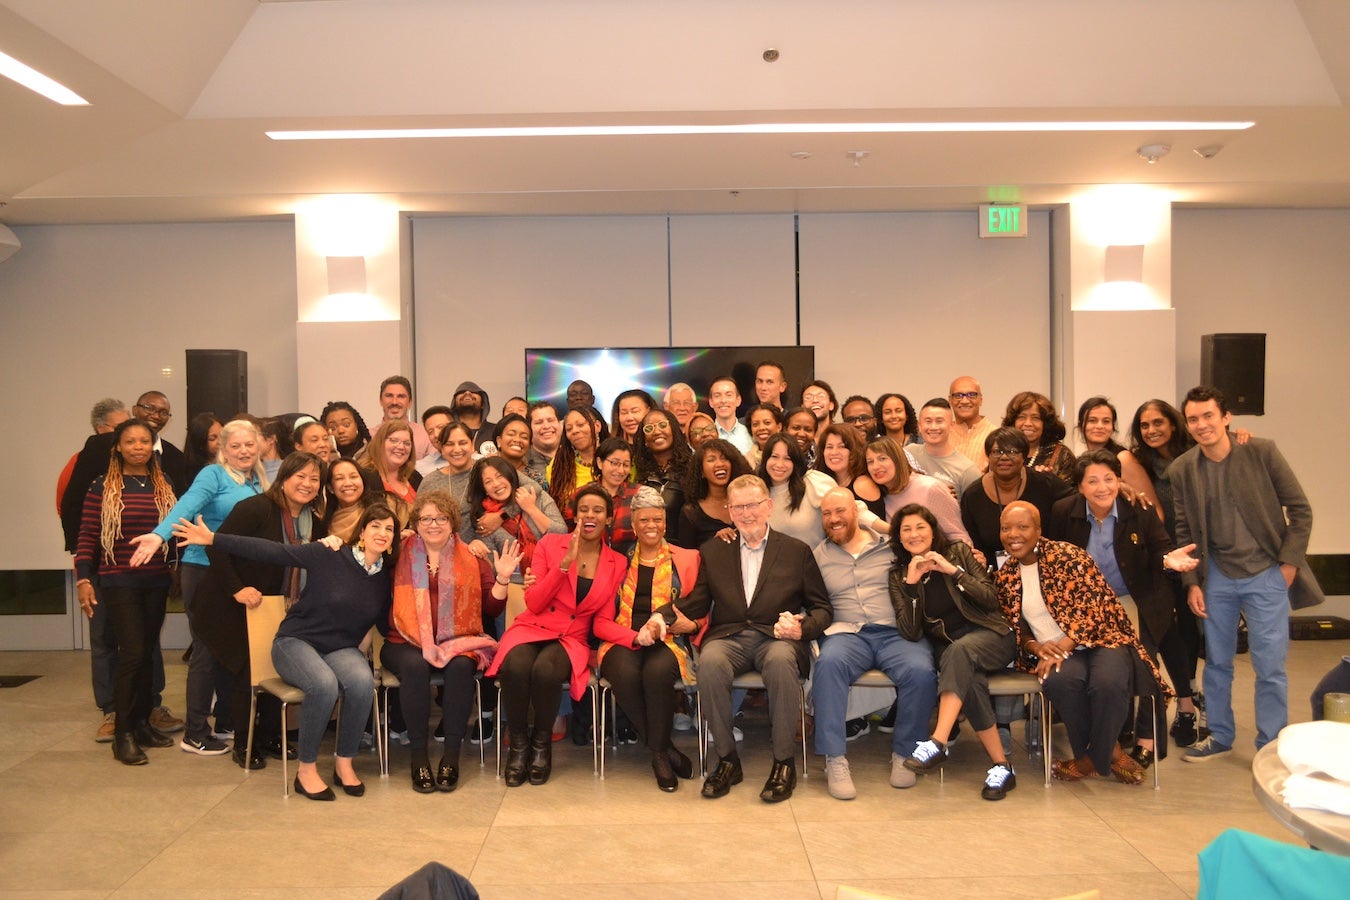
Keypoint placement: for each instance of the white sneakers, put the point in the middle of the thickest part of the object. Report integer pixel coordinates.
(838, 779)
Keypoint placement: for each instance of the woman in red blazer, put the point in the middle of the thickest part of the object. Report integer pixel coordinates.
(656, 574)
(576, 580)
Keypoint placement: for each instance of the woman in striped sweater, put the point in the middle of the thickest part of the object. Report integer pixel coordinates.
(129, 499)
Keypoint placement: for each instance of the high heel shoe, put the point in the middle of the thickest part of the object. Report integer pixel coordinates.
(325, 794)
(541, 756)
(516, 757)
(682, 765)
(664, 772)
(351, 790)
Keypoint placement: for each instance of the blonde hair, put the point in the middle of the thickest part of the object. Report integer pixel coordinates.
(258, 471)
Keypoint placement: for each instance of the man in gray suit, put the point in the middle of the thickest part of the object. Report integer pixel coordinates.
(765, 599)
(1242, 507)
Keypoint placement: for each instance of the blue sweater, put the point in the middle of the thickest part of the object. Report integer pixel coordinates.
(340, 600)
(212, 495)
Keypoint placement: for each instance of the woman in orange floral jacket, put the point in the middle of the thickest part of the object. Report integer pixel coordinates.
(1075, 636)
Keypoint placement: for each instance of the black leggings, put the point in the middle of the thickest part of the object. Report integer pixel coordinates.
(414, 695)
(136, 615)
(643, 681)
(532, 675)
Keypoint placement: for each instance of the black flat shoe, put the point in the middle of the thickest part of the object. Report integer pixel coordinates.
(127, 751)
(254, 763)
(422, 781)
(351, 790)
(541, 756)
(325, 794)
(147, 736)
(665, 775)
(727, 773)
(782, 781)
(682, 765)
(1143, 756)
(273, 749)
(447, 777)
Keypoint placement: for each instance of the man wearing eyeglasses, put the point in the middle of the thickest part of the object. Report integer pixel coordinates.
(969, 428)
(766, 601)
(681, 402)
(153, 409)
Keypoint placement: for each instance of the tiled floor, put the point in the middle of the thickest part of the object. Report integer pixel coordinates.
(73, 823)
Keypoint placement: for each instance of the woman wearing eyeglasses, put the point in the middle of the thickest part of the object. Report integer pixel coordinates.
(700, 430)
(613, 466)
(661, 458)
(442, 593)
(390, 456)
(1008, 479)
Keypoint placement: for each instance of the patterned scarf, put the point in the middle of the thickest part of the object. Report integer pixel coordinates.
(459, 625)
(296, 531)
(517, 527)
(665, 589)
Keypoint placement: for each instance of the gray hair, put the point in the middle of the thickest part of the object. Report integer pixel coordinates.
(102, 408)
(647, 498)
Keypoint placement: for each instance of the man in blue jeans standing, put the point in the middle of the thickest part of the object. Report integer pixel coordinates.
(1250, 521)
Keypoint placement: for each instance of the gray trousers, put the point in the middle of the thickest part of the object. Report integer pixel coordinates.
(964, 667)
(723, 659)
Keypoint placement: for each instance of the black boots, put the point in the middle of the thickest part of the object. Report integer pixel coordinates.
(541, 755)
(127, 751)
(516, 755)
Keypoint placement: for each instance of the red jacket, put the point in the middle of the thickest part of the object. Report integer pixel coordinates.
(553, 613)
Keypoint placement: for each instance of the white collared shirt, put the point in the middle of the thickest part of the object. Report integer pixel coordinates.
(752, 560)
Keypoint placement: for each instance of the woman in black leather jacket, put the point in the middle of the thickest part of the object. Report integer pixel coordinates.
(938, 589)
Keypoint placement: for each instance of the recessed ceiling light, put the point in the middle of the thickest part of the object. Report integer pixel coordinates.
(354, 134)
(34, 80)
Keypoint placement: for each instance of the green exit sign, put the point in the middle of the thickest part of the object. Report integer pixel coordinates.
(1000, 220)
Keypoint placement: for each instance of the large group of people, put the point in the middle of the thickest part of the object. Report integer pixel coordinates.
(676, 547)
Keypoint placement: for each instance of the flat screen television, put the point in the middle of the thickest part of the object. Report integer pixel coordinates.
(612, 370)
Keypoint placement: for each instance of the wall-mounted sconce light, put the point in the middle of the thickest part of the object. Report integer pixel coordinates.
(1124, 262)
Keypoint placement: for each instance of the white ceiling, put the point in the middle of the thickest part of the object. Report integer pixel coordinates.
(182, 91)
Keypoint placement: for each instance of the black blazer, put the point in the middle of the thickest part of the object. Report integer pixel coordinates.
(1140, 544)
(789, 581)
(92, 462)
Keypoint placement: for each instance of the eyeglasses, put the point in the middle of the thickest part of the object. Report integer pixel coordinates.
(155, 412)
(707, 429)
(1005, 451)
(964, 395)
(394, 443)
(815, 397)
(426, 521)
(741, 508)
(859, 420)
(662, 425)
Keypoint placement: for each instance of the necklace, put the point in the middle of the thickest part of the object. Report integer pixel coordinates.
(1021, 486)
(648, 562)
(142, 482)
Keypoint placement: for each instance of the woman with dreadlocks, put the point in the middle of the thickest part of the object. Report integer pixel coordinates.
(129, 499)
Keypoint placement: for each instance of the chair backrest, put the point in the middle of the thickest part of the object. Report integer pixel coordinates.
(263, 621)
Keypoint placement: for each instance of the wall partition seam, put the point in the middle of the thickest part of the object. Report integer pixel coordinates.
(797, 272)
(670, 289)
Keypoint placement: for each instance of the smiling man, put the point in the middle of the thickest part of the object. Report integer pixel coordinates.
(1248, 516)
(725, 398)
(856, 566)
(395, 403)
(937, 456)
(969, 428)
(766, 601)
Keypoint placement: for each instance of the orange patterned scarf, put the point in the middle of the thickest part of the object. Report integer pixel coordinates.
(665, 589)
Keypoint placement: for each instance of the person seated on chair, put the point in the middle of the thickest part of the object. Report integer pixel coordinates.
(765, 599)
(290, 511)
(642, 678)
(318, 645)
(1132, 549)
(856, 564)
(940, 591)
(441, 591)
(1075, 636)
(576, 577)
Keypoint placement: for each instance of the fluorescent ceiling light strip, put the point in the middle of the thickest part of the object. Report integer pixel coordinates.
(353, 134)
(34, 80)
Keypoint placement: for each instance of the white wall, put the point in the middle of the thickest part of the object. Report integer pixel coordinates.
(907, 302)
(95, 311)
(1285, 273)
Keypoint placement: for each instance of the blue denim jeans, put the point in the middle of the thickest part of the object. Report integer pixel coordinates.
(1264, 600)
(845, 656)
(324, 678)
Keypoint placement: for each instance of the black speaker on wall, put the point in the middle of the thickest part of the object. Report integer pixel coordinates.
(217, 382)
(1236, 364)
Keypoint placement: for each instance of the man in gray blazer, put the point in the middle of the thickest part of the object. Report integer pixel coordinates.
(1242, 507)
(765, 599)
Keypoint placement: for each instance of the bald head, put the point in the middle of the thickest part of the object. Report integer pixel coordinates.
(966, 397)
(839, 515)
(1020, 530)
